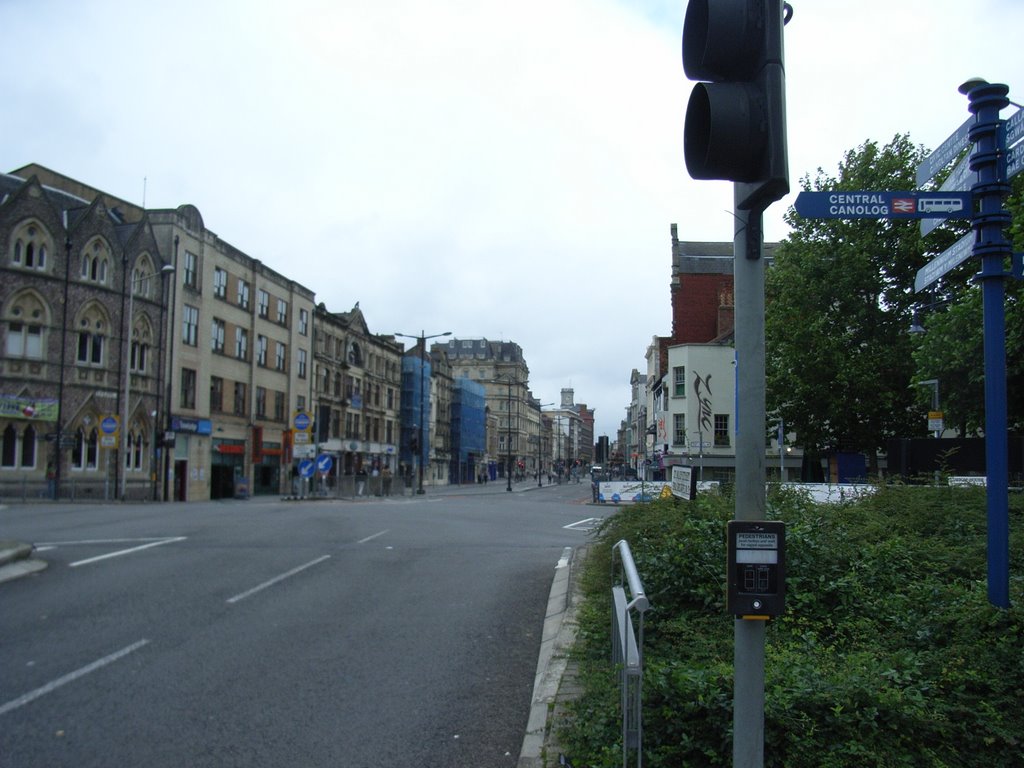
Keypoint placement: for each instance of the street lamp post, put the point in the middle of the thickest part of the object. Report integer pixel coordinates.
(132, 281)
(166, 271)
(540, 443)
(422, 344)
(169, 385)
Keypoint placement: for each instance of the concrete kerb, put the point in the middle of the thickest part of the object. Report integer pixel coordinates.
(557, 639)
(16, 560)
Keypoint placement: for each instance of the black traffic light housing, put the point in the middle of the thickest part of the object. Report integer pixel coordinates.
(736, 120)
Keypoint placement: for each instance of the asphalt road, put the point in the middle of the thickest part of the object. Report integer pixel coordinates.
(400, 632)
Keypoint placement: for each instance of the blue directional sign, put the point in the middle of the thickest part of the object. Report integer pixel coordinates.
(1015, 127)
(952, 257)
(306, 468)
(884, 205)
(945, 153)
(324, 462)
(1015, 160)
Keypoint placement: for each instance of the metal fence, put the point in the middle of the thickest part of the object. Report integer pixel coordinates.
(627, 647)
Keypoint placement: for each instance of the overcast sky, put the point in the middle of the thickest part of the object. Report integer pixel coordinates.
(506, 170)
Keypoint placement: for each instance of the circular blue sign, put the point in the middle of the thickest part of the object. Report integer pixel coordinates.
(302, 421)
(324, 462)
(109, 425)
(306, 468)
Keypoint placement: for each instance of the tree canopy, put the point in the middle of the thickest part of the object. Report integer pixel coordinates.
(843, 370)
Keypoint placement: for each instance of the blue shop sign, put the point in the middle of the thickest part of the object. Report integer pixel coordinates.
(191, 426)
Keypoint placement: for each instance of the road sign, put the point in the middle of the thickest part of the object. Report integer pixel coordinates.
(952, 257)
(302, 421)
(1014, 160)
(324, 462)
(110, 425)
(945, 153)
(935, 421)
(1015, 127)
(960, 179)
(306, 468)
(883, 205)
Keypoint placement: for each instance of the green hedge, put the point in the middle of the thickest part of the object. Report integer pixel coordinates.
(889, 653)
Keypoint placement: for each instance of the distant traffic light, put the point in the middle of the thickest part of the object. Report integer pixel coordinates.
(736, 119)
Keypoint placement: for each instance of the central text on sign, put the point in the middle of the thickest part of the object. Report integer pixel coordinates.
(858, 204)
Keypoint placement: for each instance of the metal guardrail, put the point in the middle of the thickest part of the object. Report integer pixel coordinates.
(628, 647)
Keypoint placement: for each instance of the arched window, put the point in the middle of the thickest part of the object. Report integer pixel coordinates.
(9, 451)
(31, 244)
(28, 448)
(144, 278)
(25, 319)
(142, 342)
(92, 324)
(86, 449)
(95, 258)
(19, 450)
(136, 450)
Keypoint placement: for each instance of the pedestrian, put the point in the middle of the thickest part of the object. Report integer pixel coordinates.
(360, 481)
(386, 480)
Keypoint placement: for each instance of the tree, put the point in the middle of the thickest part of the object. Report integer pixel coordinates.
(839, 303)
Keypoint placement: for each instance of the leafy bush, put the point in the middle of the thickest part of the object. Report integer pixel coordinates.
(889, 653)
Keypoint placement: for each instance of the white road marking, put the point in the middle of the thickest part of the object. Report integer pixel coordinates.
(99, 541)
(583, 525)
(52, 686)
(273, 581)
(371, 538)
(118, 553)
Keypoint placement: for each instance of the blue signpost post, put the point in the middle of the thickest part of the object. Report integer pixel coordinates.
(997, 155)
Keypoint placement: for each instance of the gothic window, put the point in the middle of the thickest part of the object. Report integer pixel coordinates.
(26, 320)
(85, 451)
(92, 327)
(95, 261)
(30, 246)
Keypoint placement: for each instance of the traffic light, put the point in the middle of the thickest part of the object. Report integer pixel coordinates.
(736, 120)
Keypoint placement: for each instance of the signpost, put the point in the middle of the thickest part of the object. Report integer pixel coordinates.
(110, 427)
(987, 171)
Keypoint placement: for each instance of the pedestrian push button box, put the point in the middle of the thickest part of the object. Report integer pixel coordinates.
(756, 568)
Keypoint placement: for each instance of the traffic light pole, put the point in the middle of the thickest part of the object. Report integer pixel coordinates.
(749, 634)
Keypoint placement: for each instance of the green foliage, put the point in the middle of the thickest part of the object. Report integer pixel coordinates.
(889, 653)
(838, 306)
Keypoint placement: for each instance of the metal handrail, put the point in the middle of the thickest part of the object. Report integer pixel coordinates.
(627, 649)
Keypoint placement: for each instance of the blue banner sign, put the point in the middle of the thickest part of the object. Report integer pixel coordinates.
(884, 205)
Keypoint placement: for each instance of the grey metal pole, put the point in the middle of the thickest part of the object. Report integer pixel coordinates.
(423, 352)
(749, 634)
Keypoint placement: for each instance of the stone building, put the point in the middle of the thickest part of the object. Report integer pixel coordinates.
(81, 314)
(218, 357)
(357, 395)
